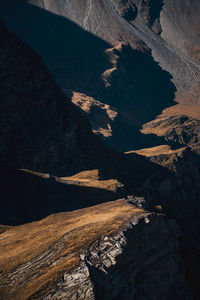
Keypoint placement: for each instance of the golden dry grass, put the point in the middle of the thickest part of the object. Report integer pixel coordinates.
(39, 174)
(90, 178)
(23, 243)
(100, 114)
(178, 110)
(87, 103)
(4, 228)
(158, 130)
(86, 175)
(192, 110)
(162, 149)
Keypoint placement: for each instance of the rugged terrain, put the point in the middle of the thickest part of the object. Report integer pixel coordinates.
(28, 196)
(102, 252)
(37, 119)
(121, 64)
(135, 56)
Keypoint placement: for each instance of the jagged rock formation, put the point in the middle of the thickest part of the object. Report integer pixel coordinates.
(178, 191)
(177, 130)
(110, 251)
(166, 30)
(114, 72)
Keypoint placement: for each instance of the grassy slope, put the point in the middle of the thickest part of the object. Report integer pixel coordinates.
(65, 235)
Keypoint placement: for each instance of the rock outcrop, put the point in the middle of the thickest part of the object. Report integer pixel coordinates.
(111, 65)
(110, 251)
(177, 195)
(176, 130)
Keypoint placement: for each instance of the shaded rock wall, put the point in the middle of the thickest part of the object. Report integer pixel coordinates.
(178, 197)
(40, 128)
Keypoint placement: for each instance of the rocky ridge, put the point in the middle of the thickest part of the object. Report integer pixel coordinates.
(177, 195)
(177, 171)
(117, 262)
(177, 130)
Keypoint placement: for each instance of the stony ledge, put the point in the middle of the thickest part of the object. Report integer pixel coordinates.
(127, 265)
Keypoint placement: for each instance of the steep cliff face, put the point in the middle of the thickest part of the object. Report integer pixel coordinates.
(40, 128)
(110, 251)
(113, 76)
(162, 31)
(177, 195)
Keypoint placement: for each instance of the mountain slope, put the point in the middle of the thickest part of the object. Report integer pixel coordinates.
(161, 31)
(43, 131)
(112, 250)
(40, 128)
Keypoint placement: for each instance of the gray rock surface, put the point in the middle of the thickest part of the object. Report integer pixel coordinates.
(141, 262)
(170, 36)
(175, 46)
(166, 34)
